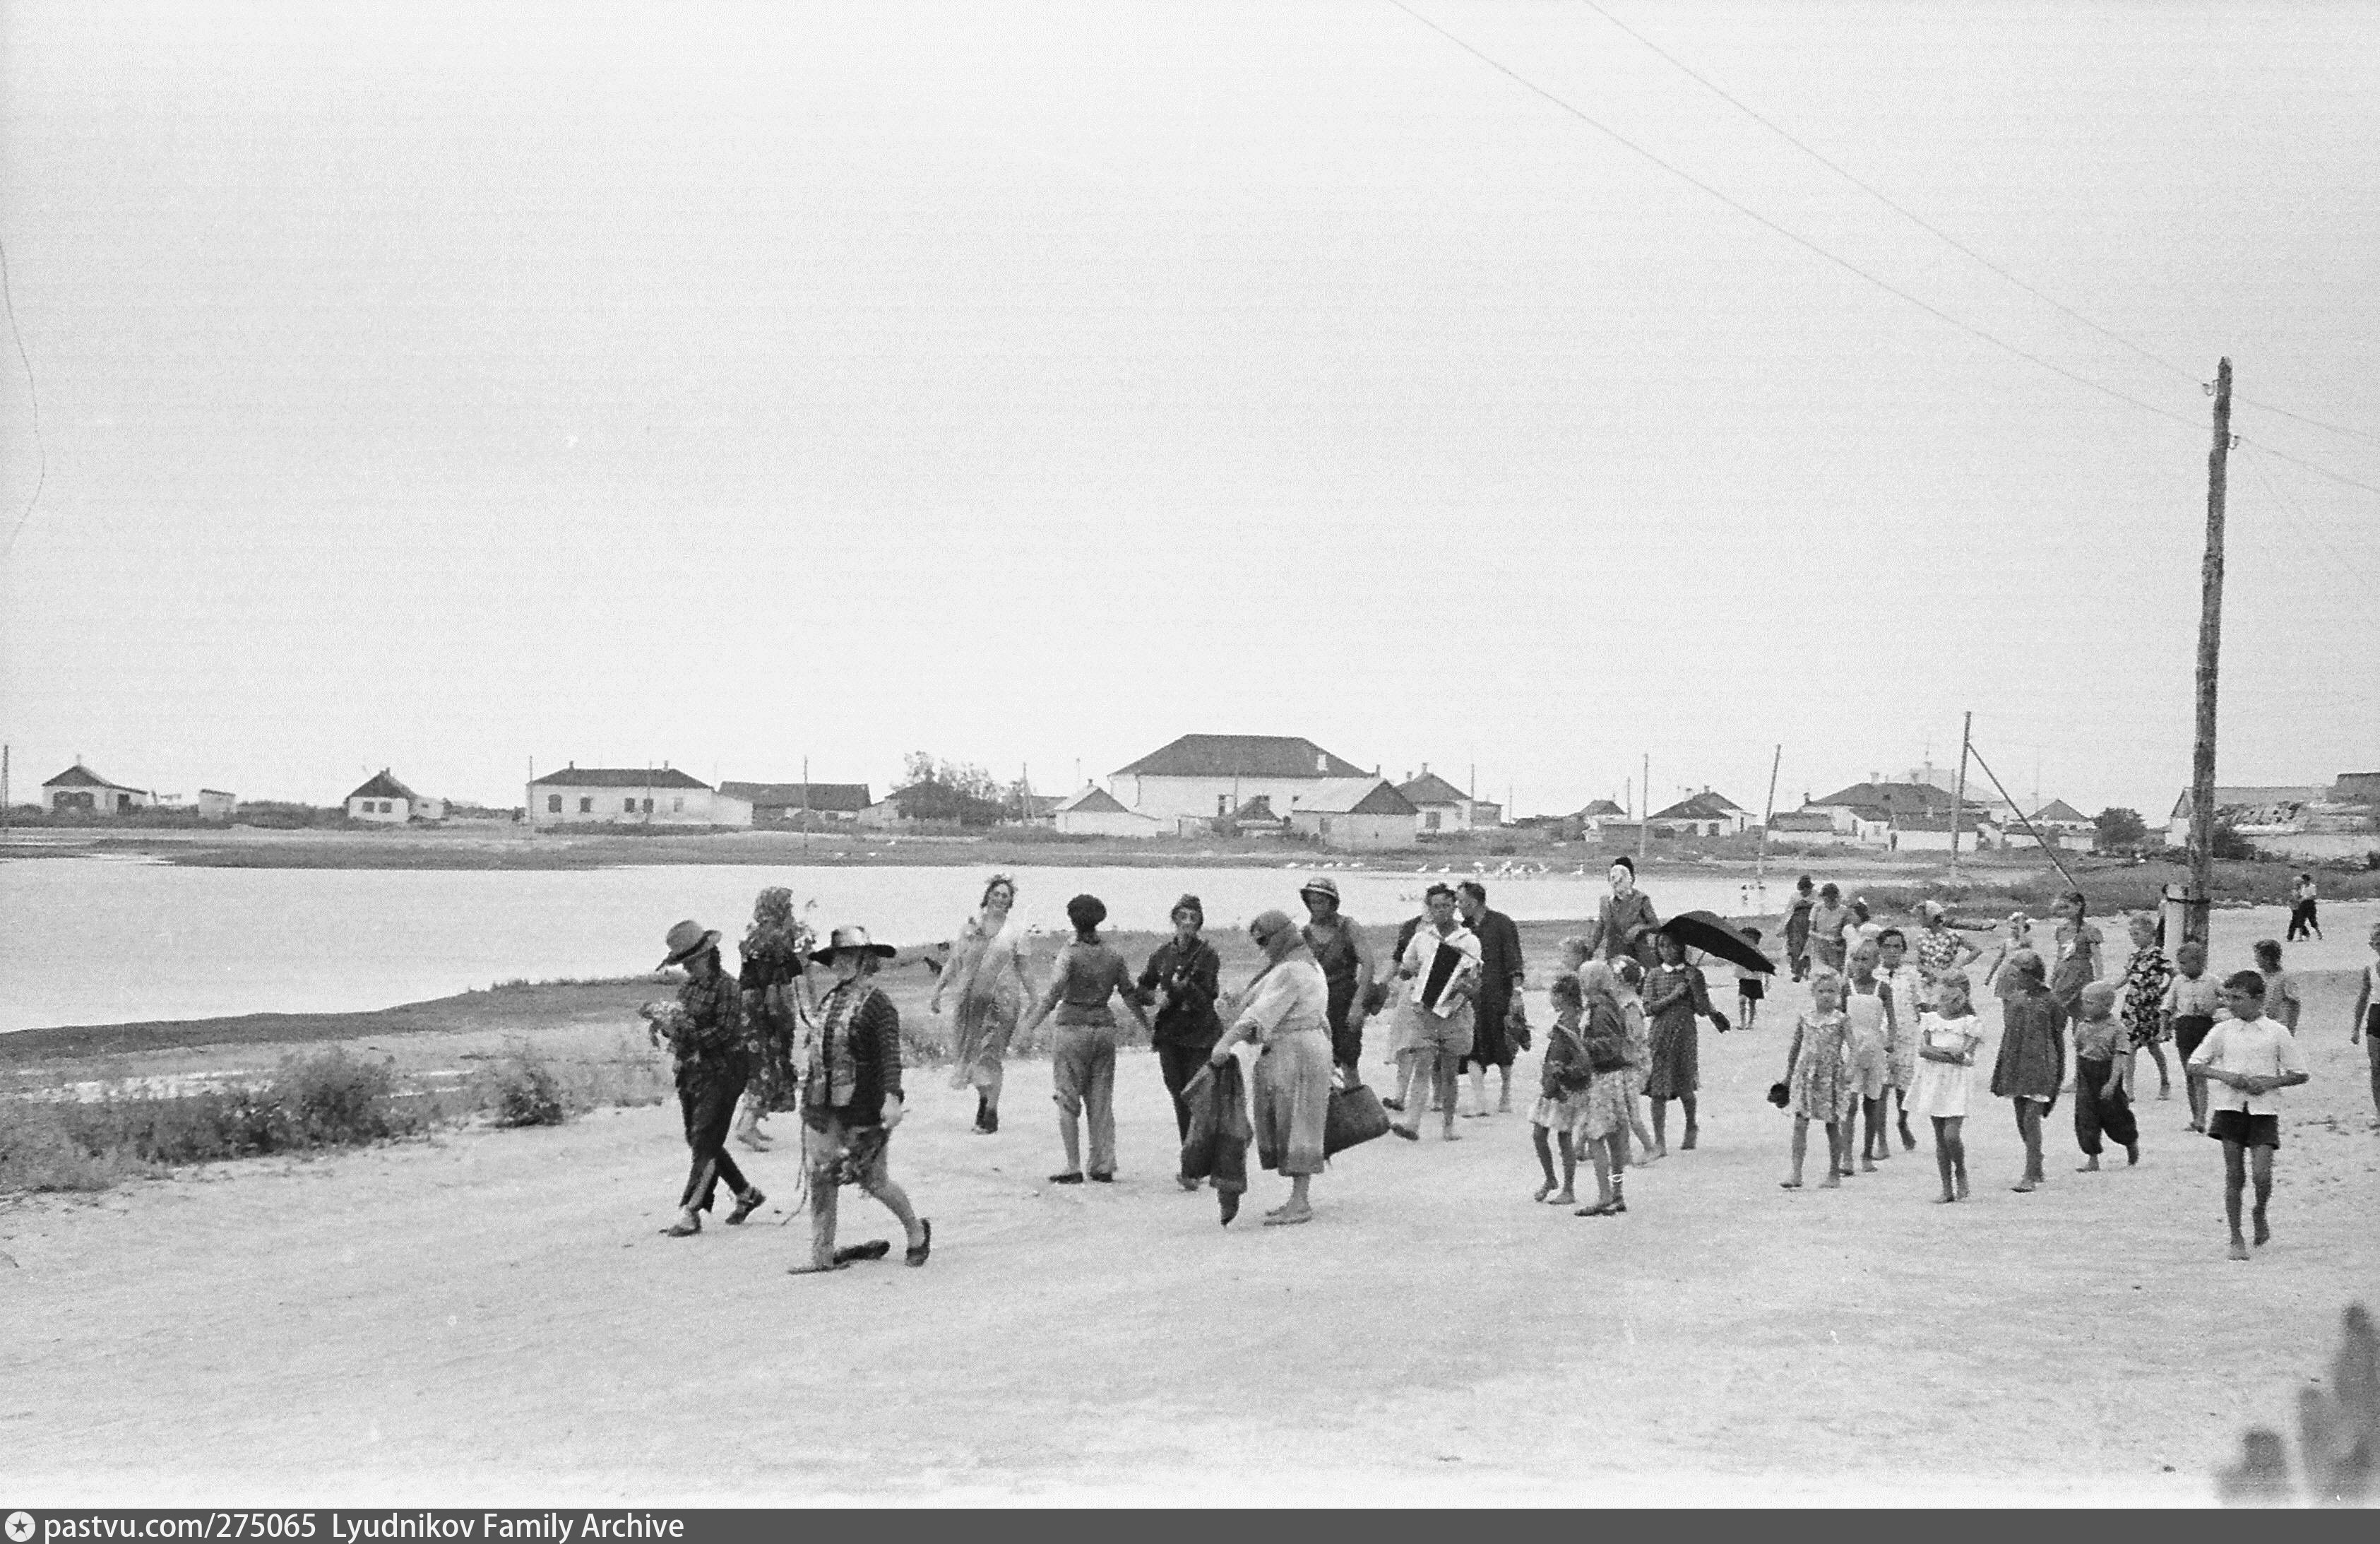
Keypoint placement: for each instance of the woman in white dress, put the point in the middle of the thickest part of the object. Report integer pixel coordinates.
(988, 984)
(1948, 1035)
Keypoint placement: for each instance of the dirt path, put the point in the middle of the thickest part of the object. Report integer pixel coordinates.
(492, 1316)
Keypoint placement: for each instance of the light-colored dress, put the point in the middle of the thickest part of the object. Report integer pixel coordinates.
(1941, 1088)
(985, 979)
(1288, 1007)
(1870, 1058)
(1820, 1080)
(1901, 1051)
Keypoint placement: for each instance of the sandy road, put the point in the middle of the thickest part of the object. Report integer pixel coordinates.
(492, 1317)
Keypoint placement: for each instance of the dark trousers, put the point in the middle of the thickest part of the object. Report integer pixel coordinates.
(2096, 1113)
(706, 1092)
(1178, 1064)
(2302, 921)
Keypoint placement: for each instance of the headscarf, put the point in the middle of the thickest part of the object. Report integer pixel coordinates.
(775, 930)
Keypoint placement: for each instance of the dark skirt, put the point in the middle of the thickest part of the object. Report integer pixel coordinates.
(1492, 1042)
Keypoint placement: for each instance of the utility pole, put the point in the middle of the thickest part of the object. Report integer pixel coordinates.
(1767, 815)
(806, 804)
(1645, 821)
(2191, 910)
(4, 790)
(1958, 792)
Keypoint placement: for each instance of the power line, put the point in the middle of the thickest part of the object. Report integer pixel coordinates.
(1947, 238)
(1802, 241)
(2302, 523)
(41, 450)
(2314, 466)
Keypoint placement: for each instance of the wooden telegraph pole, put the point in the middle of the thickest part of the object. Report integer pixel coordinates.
(1645, 819)
(1958, 792)
(1767, 816)
(2190, 908)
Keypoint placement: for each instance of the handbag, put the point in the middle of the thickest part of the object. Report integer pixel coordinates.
(1354, 1118)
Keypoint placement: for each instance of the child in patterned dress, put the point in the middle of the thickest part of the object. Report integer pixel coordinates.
(2146, 976)
(1817, 1072)
(1908, 984)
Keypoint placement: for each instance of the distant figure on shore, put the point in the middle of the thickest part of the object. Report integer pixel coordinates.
(1497, 1021)
(851, 1103)
(988, 985)
(2032, 1059)
(2303, 923)
(705, 1030)
(1090, 975)
(1827, 919)
(1797, 928)
(1285, 1009)
(1180, 982)
(775, 952)
(1625, 920)
(2250, 1059)
(1340, 947)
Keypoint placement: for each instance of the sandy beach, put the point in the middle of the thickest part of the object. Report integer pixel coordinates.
(493, 1314)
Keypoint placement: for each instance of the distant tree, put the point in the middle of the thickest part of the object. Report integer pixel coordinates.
(960, 777)
(2120, 831)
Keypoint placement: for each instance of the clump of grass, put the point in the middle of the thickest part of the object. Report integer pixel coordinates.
(329, 1099)
(521, 1090)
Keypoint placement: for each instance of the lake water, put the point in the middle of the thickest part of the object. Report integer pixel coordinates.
(100, 941)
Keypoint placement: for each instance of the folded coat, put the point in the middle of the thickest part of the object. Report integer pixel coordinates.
(1217, 1146)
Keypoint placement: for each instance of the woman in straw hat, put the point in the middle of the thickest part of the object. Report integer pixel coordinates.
(706, 1034)
(1345, 956)
(851, 1101)
(1286, 1009)
(988, 985)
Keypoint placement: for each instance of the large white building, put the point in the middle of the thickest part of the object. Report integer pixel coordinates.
(630, 795)
(1212, 775)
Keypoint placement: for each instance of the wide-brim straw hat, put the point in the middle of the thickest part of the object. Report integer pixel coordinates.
(850, 936)
(686, 939)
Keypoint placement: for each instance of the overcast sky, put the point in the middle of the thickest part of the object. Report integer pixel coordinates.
(445, 386)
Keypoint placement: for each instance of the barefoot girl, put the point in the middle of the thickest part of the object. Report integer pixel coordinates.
(1817, 1070)
(1909, 995)
(1610, 1100)
(1867, 1002)
(1627, 977)
(2146, 976)
(1948, 1035)
(1564, 1076)
(2032, 1055)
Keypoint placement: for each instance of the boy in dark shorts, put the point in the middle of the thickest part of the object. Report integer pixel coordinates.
(2191, 1002)
(2251, 1058)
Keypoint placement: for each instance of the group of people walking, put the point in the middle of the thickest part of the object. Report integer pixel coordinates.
(1892, 1030)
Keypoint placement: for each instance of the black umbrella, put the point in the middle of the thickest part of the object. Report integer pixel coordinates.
(1707, 931)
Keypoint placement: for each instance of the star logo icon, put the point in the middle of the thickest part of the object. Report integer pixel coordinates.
(20, 1527)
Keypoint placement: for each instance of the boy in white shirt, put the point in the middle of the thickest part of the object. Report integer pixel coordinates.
(2252, 1058)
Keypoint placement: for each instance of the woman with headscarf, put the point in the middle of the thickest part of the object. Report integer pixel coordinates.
(2031, 1061)
(851, 1102)
(1286, 1010)
(1624, 921)
(776, 952)
(1082, 1058)
(988, 984)
(1180, 981)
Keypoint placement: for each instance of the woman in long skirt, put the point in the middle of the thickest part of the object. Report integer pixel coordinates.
(1674, 997)
(988, 985)
(775, 949)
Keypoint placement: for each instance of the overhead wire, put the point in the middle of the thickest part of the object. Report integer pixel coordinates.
(1947, 238)
(1805, 243)
(41, 450)
(2299, 521)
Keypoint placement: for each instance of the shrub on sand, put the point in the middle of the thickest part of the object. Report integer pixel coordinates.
(521, 1090)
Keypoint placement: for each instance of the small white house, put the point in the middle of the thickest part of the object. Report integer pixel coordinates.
(1442, 808)
(384, 800)
(630, 795)
(1357, 814)
(214, 804)
(1097, 812)
(80, 791)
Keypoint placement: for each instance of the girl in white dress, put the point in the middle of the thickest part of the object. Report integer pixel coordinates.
(1948, 1035)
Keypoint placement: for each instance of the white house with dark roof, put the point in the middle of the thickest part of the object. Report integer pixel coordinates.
(1096, 812)
(1212, 776)
(80, 791)
(385, 801)
(630, 795)
(1357, 814)
(1705, 814)
(1442, 806)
